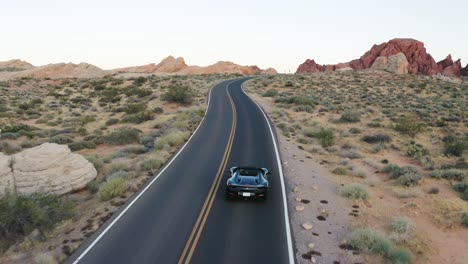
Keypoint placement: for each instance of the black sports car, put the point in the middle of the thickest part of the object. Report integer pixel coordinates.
(247, 182)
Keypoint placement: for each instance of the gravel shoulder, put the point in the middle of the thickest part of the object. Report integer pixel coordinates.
(319, 217)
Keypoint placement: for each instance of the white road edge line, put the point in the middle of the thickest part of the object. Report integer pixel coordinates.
(283, 188)
(147, 186)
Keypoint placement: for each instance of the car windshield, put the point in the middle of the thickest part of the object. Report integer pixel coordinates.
(248, 172)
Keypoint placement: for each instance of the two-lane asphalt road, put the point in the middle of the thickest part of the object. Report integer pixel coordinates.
(182, 216)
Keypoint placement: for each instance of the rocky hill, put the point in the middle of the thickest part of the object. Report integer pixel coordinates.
(56, 71)
(398, 56)
(171, 65)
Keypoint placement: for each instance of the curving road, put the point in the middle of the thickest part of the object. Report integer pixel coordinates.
(182, 216)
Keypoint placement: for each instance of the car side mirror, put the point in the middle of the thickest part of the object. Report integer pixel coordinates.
(268, 173)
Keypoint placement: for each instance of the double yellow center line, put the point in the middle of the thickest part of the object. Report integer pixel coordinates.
(205, 211)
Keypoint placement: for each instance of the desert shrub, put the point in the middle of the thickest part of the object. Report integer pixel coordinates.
(151, 164)
(450, 174)
(349, 116)
(16, 128)
(351, 153)
(112, 121)
(140, 80)
(75, 146)
(433, 190)
(20, 215)
(355, 130)
(135, 108)
(409, 126)
(45, 258)
(129, 151)
(340, 171)
(138, 118)
(288, 84)
(355, 191)
(377, 138)
(122, 137)
(369, 240)
(10, 135)
(158, 110)
(402, 226)
(296, 100)
(461, 187)
(270, 93)
(325, 136)
(118, 174)
(455, 146)
(409, 179)
(61, 139)
(178, 94)
(96, 161)
(417, 151)
(117, 166)
(93, 186)
(464, 219)
(400, 256)
(304, 108)
(392, 169)
(171, 139)
(112, 188)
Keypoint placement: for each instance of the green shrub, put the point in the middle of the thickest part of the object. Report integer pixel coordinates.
(117, 166)
(355, 130)
(402, 226)
(455, 146)
(450, 174)
(325, 136)
(409, 179)
(93, 186)
(20, 215)
(10, 135)
(158, 110)
(112, 121)
(369, 240)
(400, 256)
(123, 137)
(355, 191)
(340, 171)
(349, 116)
(135, 108)
(151, 164)
(61, 139)
(270, 93)
(138, 118)
(296, 100)
(304, 108)
(417, 151)
(75, 146)
(112, 188)
(409, 126)
(118, 174)
(178, 94)
(377, 138)
(172, 139)
(96, 161)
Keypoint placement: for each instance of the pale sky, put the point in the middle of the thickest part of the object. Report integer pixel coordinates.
(279, 34)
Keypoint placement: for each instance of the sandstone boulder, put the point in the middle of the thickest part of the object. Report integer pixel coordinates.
(51, 168)
(6, 174)
(394, 63)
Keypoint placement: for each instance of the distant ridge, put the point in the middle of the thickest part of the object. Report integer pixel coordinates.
(170, 65)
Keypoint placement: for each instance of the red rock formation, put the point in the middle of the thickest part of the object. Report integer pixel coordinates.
(310, 66)
(464, 71)
(420, 62)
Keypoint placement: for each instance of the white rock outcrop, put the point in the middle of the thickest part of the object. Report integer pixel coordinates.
(394, 63)
(49, 168)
